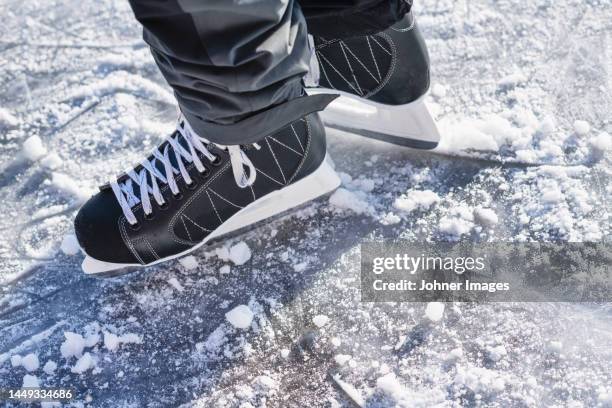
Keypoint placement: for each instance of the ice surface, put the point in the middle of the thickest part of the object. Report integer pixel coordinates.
(79, 76)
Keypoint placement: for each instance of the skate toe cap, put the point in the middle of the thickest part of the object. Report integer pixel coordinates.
(97, 229)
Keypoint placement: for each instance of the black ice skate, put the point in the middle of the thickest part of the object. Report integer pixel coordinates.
(190, 191)
(381, 79)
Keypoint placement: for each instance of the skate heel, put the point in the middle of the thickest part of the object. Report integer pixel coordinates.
(408, 125)
(320, 182)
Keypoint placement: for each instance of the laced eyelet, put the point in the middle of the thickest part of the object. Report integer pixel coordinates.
(193, 185)
(178, 197)
(135, 227)
(163, 206)
(217, 161)
(149, 217)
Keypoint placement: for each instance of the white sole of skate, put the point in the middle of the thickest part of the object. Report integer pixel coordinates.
(408, 125)
(322, 181)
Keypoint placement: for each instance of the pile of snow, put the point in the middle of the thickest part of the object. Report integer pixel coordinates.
(240, 253)
(73, 346)
(349, 200)
(342, 359)
(84, 363)
(189, 262)
(416, 200)
(582, 127)
(458, 222)
(485, 216)
(69, 186)
(50, 367)
(7, 119)
(33, 148)
(240, 317)
(70, 245)
(434, 311)
(320, 320)
(30, 381)
(29, 362)
(112, 342)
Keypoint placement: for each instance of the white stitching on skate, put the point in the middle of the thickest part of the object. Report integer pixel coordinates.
(277, 163)
(253, 191)
(391, 68)
(297, 137)
(127, 240)
(308, 143)
(380, 45)
(338, 72)
(360, 62)
(224, 199)
(148, 244)
(342, 46)
(367, 37)
(319, 55)
(284, 145)
(186, 230)
(195, 223)
(270, 177)
(213, 206)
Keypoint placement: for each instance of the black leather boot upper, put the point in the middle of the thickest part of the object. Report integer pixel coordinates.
(185, 220)
(390, 67)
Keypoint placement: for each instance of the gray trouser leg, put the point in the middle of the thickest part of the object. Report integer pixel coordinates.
(227, 59)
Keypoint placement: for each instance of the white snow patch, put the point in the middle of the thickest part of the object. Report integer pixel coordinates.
(73, 345)
(30, 381)
(485, 216)
(33, 148)
(50, 367)
(497, 353)
(67, 185)
(342, 359)
(240, 317)
(70, 245)
(582, 127)
(438, 90)
(351, 391)
(225, 269)
(30, 362)
(602, 142)
(320, 320)
(15, 360)
(434, 311)
(416, 199)
(284, 353)
(240, 253)
(176, 284)
(51, 161)
(7, 118)
(348, 200)
(189, 262)
(112, 341)
(85, 363)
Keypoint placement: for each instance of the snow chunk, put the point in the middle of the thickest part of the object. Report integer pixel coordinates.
(486, 216)
(30, 362)
(86, 362)
(240, 253)
(7, 118)
(601, 142)
(348, 200)
(73, 345)
(30, 381)
(434, 311)
(176, 284)
(112, 341)
(240, 317)
(582, 127)
(284, 353)
(67, 185)
(15, 360)
(70, 245)
(513, 79)
(189, 262)
(50, 367)
(33, 148)
(416, 199)
(438, 90)
(51, 161)
(320, 320)
(497, 353)
(225, 269)
(554, 347)
(342, 359)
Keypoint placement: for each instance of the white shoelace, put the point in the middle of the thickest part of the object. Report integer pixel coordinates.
(124, 191)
